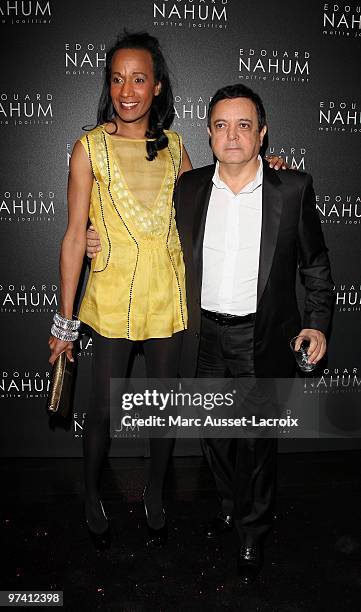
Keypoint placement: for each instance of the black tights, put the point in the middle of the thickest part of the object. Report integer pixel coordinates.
(111, 359)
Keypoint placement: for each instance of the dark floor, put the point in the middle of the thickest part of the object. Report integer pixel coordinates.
(312, 558)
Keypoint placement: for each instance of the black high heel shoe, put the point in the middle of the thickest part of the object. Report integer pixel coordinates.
(156, 537)
(101, 541)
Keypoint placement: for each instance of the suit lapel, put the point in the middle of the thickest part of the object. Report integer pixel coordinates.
(202, 197)
(271, 215)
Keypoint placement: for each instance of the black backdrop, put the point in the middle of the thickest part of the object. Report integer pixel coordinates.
(302, 57)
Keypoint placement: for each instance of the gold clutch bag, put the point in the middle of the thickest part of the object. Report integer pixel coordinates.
(61, 386)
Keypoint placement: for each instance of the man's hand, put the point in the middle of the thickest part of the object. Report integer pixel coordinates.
(276, 162)
(93, 245)
(317, 341)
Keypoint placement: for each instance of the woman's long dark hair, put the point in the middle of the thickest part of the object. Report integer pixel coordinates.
(162, 109)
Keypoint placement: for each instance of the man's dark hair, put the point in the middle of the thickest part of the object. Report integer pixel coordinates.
(162, 110)
(238, 91)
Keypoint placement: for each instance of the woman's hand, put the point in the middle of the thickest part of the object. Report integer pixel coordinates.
(93, 245)
(74, 242)
(276, 162)
(59, 346)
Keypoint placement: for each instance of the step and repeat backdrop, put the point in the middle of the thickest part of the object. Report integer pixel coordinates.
(303, 58)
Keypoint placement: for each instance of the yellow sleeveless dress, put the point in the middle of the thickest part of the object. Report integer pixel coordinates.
(136, 285)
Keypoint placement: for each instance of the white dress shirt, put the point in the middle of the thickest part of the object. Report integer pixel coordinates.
(231, 247)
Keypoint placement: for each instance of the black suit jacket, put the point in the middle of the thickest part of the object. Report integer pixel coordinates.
(291, 237)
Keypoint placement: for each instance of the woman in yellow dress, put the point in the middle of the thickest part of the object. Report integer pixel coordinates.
(122, 177)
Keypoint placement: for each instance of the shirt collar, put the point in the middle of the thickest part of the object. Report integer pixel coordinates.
(249, 188)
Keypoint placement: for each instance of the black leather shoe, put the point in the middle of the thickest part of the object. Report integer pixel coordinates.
(250, 560)
(156, 538)
(220, 524)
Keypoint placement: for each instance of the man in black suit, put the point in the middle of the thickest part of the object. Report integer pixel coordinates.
(244, 230)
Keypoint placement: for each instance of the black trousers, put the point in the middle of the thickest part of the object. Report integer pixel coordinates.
(111, 359)
(244, 469)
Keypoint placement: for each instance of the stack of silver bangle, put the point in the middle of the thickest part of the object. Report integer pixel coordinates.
(65, 329)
